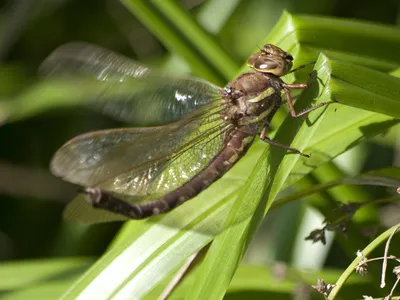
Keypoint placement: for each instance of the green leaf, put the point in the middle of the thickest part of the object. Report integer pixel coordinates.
(352, 83)
(45, 291)
(24, 274)
(233, 207)
(197, 36)
(324, 145)
(148, 259)
(261, 282)
(152, 250)
(362, 43)
(389, 177)
(179, 33)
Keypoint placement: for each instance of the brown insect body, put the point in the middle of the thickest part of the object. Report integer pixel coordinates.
(247, 105)
(247, 115)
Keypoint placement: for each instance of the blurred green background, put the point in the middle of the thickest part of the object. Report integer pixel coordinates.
(32, 201)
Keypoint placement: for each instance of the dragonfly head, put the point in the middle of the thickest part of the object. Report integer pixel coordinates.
(271, 59)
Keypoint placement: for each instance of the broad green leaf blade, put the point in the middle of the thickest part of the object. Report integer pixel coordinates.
(358, 124)
(154, 248)
(365, 124)
(228, 248)
(365, 88)
(362, 43)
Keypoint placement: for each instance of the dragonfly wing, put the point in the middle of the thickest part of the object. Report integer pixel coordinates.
(123, 88)
(141, 164)
(78, 210)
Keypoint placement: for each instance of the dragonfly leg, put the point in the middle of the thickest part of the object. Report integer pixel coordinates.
(276, 144)
(293, 99)
(302, 67)
(289, 98)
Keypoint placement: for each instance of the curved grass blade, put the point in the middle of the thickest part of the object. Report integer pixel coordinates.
(19, 275)
(389, 177)
(188, 27)
(365, 252)
(173, 39)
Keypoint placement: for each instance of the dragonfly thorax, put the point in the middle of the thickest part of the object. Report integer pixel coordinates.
(251, 97)
(135, 173)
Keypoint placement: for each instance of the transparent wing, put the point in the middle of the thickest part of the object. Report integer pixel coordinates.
(78, 210)
(142, 164)
(123, 88)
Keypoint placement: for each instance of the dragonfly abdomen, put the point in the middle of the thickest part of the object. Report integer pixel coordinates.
(212, 129)
(235, 147)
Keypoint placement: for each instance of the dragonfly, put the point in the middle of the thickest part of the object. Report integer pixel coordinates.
(139, 172)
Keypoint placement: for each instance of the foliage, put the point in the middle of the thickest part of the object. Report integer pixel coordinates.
(356, 63)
